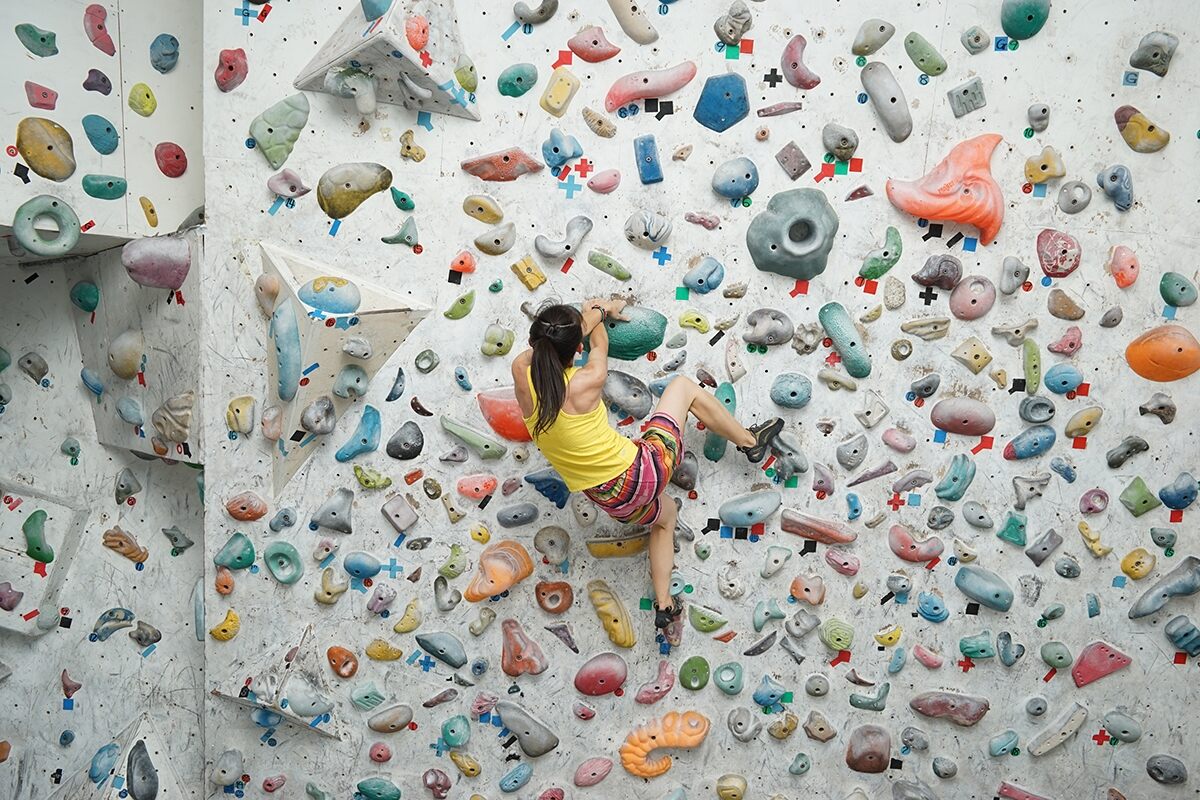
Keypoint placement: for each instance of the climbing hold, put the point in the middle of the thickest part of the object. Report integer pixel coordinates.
(1154, 52)
(1117, 183)
(888, 100)
(960, 189)
(1074, 197)
(723, 102)
(276, 130)
(612, 613)
(227, 628)
(869, 749)
(1165, 353)
(231, 70)
(164, 53)
(735, 179)
(961, 709)
(1142, 135)
(44, 205)
(46, 147)
(1022, 19)
(159, 262)
(924, 56)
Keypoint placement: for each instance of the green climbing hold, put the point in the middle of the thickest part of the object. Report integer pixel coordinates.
(403, 200)
(378, 789)
(456, 731)
(1031, 365)
(1022, 19)
(238, 552)
(86, 297)
(608, 265)
(977, 646)
(495, 286)
(37, 41)
(455, 564)
(484, 446)
(846, 341)
(714, 444)
(1056, 655)
(693, 674)
(924, 55)
(406, 235)
(517, 80)
(36, 546)
(881, 259)
(1014, 529)
(104, 187)
(283, 562)
(1138, 498)
(1176, 290)
(728, 678)
(704, 619)
(640, 332)
(461, 306)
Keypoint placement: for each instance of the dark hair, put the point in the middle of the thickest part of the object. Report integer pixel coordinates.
(555, 336)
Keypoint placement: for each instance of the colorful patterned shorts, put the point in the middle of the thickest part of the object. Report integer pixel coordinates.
(633, 496)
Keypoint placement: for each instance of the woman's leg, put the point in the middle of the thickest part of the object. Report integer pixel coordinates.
(662, 551)
(682, 396)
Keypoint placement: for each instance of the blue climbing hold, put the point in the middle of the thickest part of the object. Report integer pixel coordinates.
(333, 295)
(705, 276)
(550, 485)
(361, 565)
(460, 377)
(723, 102)
(1030, 442)
(103, 762)
(1180, 493)
(560, 148)
(736, 178)
(164, 52)
(365, 438)
(791, 390)
(1062, 378)
(984, 587)
(645, 151)
(286, 334)
(931, 607)
(101, 133)
(374, 9)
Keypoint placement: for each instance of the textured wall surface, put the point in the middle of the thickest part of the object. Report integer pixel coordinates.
(1078, 65)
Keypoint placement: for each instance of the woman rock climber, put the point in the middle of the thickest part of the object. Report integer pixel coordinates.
(563, 411)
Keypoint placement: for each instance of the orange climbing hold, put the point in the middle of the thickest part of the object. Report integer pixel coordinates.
(342, 661)
(477, 487)
(1165, 353)
(224, 581)
(501, 566)
(676, 729)
(463, 262)
(503, 414)
(959, 189)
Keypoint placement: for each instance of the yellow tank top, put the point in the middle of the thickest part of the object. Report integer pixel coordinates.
(584, 448)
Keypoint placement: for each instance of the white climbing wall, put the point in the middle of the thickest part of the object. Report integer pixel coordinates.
(1078, 65)
(133, 25)
(121, 681)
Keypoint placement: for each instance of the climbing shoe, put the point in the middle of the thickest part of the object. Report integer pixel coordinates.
(764, 434)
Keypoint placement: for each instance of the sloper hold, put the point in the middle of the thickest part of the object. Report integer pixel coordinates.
(723, 102)
(959, 189)
(984, 587)
(481, 444)
(749, 509)
(1056, 734)
(961, 709)
(648, 83)
(276, 130)
(533, 737)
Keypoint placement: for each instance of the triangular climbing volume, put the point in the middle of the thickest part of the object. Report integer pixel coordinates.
(130, 765)
(331, 334)
(289, 685)
(411, 56)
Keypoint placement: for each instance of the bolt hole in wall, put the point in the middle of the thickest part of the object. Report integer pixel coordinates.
(955, 635)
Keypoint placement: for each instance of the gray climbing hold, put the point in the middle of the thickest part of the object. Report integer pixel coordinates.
(628, 394)
(768, 327)
(516, 515)
(1166, 769)
(406, 443)
(1154, 52)
(839, 140)
(141, 778)
(888, 99)
(943, 271)
(533, 737)
(335, 512)
(319, 417)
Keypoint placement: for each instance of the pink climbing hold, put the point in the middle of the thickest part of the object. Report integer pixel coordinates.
(592, 771)
(520, 655)
(605, 181)
(503, 414)
(1010, 791)
(1058, 253)
(477, 487)
(657, 689)
(792, 64)
(231, 69)
(380, 753)
(902, 543)
(601, 674)
(553, 793)
(927, 657)
(1096, 661)
(1124, 266)
(592, 45)
(171, 159)
(416, 29)
(649, 83)
(503, 165)
(93, 24)
(842, 562)
(41, 96)
(158, 262)
(1069, 343)
(274, 783)
(10, 598)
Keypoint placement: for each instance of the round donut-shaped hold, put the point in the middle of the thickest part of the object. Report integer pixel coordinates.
(45, 205)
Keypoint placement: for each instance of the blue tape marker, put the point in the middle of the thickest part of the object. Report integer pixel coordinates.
(278, 204)
(508, 33)
(311, 367)
(333, 229)
(425, 120)
(149, 650)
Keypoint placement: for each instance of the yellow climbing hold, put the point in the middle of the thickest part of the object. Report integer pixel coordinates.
(379, 650)
(227, 628)
(149, 210)
(694, 319)
(480, 533)
(1138, 563)
(46, 148)
(410, 620)
(888, 635)
(1092, 539)
(467, 765)
(142, 100)
(612, 613)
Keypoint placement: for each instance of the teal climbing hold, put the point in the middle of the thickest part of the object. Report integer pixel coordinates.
(104, 187)
(1022, 19)
(37, 41)
(846, 341)
(715, 444)
(103, 135)
(238, 552)
(85, 295)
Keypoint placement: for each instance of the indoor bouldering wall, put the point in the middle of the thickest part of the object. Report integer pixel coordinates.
(885, 627)
(947, 243)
